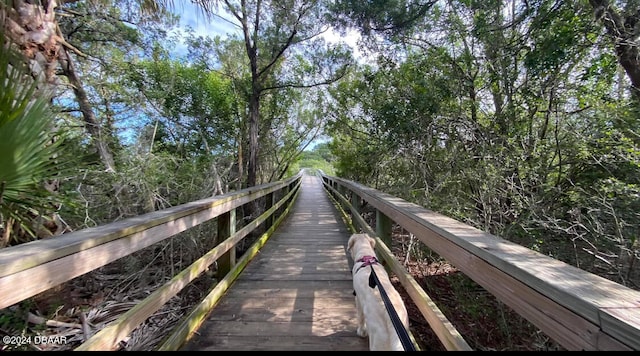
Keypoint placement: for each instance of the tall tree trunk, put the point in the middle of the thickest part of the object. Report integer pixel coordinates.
(254, 112)
(251, 45)
(240, 163)
(91, 122)
(253, 208)
(625, 32)
(33, 28)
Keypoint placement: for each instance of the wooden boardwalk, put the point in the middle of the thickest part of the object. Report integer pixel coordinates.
(296, 294)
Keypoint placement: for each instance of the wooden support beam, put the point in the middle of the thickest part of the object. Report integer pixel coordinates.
(226, 228)
(383, 227)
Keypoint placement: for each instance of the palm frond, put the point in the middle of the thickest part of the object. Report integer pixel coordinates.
(30, 152)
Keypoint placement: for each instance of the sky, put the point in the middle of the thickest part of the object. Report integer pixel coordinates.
(191, 16)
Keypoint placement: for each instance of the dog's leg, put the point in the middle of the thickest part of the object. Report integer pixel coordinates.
(375, 344)
(362, 327)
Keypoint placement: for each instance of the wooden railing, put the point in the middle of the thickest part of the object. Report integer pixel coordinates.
(31, 268)
(579, 310)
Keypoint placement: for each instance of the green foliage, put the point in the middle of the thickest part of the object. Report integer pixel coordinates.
(318, 158)
(196, 102)
(380, 15)
(324, 151)
(556, 31)
(112, 35)
(30, 151)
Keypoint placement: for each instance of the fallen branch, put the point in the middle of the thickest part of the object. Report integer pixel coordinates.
(34, 319)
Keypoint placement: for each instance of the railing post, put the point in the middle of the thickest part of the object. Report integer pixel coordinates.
(356, 205)
(268, 204)
(226, 228)
(383, 230)
(283, 193)
(341, 191)
(383, 227)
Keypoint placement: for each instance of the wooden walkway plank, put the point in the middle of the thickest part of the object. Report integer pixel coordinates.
(296, 294)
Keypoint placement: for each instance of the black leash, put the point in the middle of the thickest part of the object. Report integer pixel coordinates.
(403, 334)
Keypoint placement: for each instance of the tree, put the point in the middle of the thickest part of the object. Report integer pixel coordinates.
(35, 30)
(620, 20)
(197, 106)
(273, 32)
(227, 57)
(32, 27)
(293, 119)
(624, 29)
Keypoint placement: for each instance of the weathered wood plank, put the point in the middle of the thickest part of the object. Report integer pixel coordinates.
(320, 250)
(282, 314)
(299, 270)
(306, 286)
(301, 244)
(277, 301)
(338, 342)
(287, 258)
(299, 277)
(337, 292)
(297, 294)
(302, 264)
(325, 327)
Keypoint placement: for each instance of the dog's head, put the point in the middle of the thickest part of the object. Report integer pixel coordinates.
(361, 244)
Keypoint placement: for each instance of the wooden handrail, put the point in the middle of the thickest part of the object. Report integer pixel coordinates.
(34, 267)
(578, 309)
(441, 326)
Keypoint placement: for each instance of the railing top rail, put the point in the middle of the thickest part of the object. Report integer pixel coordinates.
(29, 269)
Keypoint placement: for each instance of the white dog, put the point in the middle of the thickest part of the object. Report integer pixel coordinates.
(373, 318)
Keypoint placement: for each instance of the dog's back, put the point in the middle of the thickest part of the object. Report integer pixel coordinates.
(382, 334)
(372, 311)
(393, 339)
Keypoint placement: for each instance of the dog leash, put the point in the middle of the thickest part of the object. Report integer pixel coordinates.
(403, 334)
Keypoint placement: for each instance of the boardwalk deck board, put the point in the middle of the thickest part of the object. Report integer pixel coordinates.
(296, 294)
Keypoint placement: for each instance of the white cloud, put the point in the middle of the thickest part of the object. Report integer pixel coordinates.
(351, 39)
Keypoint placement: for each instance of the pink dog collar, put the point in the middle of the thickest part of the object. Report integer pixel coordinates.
(366, 261)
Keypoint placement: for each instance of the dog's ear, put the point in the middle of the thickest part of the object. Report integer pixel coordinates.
(352, 240)
(372, 241)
